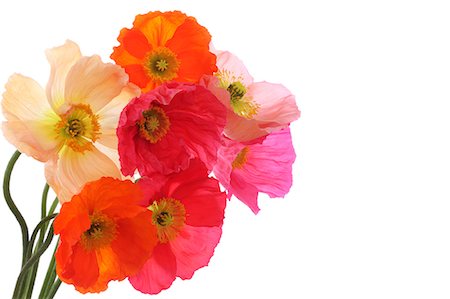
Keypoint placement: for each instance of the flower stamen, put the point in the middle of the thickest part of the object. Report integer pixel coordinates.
(154, 124)
(101, 232)
(162, 65)
(169, 216)
(241, 158)
(78, 128)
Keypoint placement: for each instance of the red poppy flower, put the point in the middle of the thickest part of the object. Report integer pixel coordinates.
(164, 46)
(162, 130)
(188, 211)
(97, 228)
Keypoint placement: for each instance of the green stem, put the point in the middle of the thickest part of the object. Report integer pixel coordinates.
(36, 230)
(31, 278)
(54, 289)
(49, 277)
(12, 206)
(53, 206)
(33, 259)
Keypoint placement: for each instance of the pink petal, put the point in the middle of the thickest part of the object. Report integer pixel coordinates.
(93, 82)
(226, 61)
(158, 273)
(61, 59)
(269, 165)
(193, 248)
(268, 169)
(244, 191)
(277, 105)
(241, 129)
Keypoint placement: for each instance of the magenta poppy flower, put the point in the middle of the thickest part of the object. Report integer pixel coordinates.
(188, 211)
(263, 165)
(162, 130)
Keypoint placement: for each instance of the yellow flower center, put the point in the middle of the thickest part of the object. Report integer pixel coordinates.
(162, 64)
(241, 104)
(169, 216)
(241, 158)
(100, 234)
(154, 124)
(78, 128)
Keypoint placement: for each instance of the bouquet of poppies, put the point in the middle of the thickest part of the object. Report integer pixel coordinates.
(143, 154)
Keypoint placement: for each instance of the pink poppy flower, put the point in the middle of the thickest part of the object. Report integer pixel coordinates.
(162, 130)
(255, 109)
(188, 211)
(70, 125)
(245, 169)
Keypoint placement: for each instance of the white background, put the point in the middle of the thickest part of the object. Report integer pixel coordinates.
(368, 214)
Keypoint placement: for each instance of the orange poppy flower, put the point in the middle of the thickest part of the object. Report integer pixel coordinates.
(105, 234)
(164, 46)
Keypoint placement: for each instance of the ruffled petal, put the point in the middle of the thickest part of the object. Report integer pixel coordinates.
(193, 248)
(93, 82)
(31, 121)
(198, 118)
(61, 60)
(72, 170)
(158, 273)
(109, 115)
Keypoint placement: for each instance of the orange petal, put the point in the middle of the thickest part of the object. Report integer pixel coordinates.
(191, 45)
(159, 27)
(136, 43)
(61, 59)
(137, 74)
(122, 57)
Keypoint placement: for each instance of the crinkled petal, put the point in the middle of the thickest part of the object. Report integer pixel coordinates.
(61, 60)
(193, 248)
(196, 120)
(158, 273)
(90, 81)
